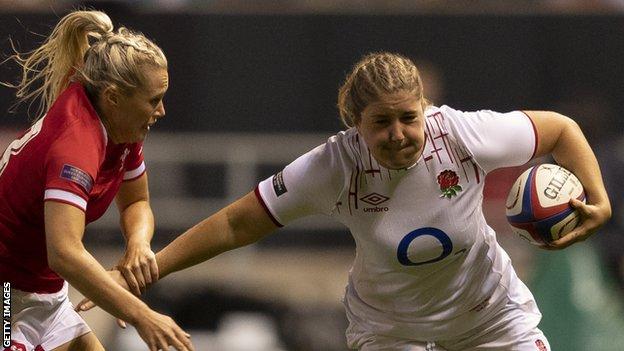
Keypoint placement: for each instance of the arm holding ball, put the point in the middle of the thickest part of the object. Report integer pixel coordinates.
(561, 136)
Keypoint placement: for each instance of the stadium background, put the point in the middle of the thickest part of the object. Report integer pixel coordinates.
(253, 85)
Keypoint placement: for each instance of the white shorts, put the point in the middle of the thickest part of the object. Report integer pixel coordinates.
(513, 328)
(43, 322)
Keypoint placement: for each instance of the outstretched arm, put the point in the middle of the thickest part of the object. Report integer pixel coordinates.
(241, 223)
(561, 136)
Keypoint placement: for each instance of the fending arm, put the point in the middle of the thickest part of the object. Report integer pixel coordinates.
(241, 223)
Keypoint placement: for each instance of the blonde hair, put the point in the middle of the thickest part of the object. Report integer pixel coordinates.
(376, 74)
(83, 47)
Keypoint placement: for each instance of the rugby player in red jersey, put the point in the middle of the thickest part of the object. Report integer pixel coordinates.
(101, 91)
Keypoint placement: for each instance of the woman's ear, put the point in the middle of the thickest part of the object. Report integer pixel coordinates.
(111, 95)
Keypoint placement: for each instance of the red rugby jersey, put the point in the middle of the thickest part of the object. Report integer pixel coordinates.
(67, 157)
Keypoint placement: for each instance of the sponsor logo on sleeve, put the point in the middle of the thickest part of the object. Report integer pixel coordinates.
(278, 184)
(78, 176)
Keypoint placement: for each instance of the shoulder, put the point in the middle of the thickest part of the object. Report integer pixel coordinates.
(74, 122)
(338, 149)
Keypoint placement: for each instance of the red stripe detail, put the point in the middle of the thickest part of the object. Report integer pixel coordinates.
(534, 133)
(257, 192)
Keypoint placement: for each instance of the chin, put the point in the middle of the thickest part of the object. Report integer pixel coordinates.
(397, 166)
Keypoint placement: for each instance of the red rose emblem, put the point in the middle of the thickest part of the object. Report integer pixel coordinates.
(540, 345)
(16, 346)
(447, 179)
(449, 183)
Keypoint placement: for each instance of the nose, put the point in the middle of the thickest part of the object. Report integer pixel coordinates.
(395, 132)
(160, 110)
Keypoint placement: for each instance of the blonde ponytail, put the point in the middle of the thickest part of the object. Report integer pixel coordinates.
(110, 59)
(46, 70)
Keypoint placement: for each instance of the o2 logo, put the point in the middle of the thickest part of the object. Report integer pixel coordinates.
(437, 234)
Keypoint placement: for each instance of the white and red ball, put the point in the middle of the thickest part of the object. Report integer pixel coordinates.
(538, 206)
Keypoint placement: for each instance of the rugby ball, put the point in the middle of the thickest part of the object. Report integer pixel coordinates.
(537, 206)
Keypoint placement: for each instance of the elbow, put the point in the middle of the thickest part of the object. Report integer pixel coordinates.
(60, 260)
(566, 123)
(56, 262)
(562, 120)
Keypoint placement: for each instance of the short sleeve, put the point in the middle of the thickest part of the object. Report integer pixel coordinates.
(134, 165)
(71, 167)
(309, 185)
(495, 139)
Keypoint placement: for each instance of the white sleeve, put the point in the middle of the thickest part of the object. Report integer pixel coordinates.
(309, 185)
(495, 139)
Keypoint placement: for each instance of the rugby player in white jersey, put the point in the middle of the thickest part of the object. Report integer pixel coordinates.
(407, 179)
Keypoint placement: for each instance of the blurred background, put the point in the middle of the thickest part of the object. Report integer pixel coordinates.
(253, 85)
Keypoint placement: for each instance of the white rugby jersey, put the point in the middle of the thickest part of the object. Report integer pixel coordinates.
(427, 265)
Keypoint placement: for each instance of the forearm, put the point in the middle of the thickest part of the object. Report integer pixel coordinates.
(137, 223)
(203, 241)
(83, 272)
(573, 152)
(241, 223)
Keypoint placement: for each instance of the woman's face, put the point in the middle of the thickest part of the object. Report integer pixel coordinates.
(132, 116)
(393, 129)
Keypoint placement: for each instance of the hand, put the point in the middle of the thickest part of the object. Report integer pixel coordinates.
(160, 331)
(592, 218)
(87, 304)
(138, 266)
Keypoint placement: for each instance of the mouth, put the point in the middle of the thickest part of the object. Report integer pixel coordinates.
(149, 125)
(396, 148)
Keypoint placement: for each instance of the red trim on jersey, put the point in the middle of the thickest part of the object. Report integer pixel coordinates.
(534, 133)
(257, 192)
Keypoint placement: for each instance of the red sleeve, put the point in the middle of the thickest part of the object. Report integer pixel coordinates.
(71, 167)
(134, 165)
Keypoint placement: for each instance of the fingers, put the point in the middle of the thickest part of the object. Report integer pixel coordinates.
(162, 343)
(184, 341)
(131, 279)
(84, 305)
(582, 207)
(146, 273)
(154, 268)
(591, 220)
(121, 323)
(139, 269)
(180, 340)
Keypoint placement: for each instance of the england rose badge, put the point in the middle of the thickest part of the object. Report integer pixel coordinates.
(449, 184)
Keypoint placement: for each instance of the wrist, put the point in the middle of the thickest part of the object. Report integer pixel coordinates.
(137, 312)
(137, 242)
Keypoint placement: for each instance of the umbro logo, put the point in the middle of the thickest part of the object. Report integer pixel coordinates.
(375, 200)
